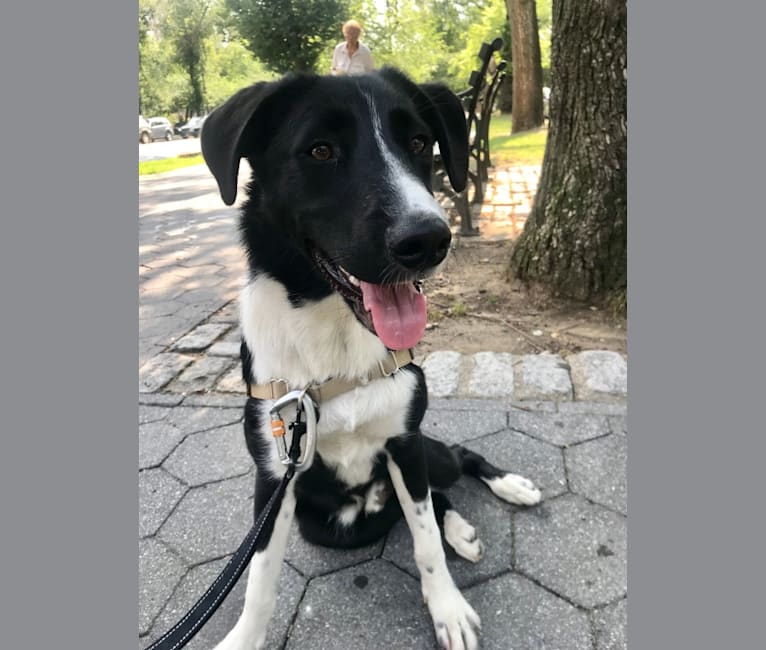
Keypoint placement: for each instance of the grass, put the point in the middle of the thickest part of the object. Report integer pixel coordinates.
(525, 148)
(169, 164)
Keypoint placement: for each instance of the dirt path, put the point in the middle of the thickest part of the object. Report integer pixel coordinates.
(472, 307)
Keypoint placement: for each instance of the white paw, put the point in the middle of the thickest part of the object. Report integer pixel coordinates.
(461, 536)
(455, 622)
(376, 497)
(514, 489)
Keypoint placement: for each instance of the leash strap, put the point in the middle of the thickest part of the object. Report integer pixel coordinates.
(183, 631)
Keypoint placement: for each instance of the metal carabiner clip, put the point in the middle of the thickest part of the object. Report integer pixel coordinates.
(303, 403)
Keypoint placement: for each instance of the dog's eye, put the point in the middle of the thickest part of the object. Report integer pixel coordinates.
(321, 152)
(417, 145)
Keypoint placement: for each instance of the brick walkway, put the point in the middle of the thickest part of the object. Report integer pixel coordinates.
(508, 199)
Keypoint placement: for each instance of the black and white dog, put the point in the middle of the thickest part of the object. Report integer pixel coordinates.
(340, 227)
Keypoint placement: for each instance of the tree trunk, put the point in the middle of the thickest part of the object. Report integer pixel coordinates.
(527, 111)
(575, 239)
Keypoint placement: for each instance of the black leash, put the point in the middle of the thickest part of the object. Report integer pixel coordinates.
(183, 631)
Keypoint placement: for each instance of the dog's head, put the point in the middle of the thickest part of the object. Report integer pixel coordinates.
(342, 167)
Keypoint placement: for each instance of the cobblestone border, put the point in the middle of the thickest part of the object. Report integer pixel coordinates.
(205, 361)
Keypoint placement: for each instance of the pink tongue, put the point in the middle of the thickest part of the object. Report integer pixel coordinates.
(398, 313)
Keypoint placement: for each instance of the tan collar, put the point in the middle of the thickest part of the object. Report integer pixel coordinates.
(325, 391)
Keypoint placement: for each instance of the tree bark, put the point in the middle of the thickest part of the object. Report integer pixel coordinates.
(527, 102)
(575, 239)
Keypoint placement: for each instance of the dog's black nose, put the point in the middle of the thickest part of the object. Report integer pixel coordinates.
(422, 244)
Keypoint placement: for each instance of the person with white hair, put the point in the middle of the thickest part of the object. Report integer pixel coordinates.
(351, 56)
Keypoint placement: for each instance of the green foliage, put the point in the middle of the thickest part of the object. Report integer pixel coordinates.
(490, 23)
(525, 148)
(189, 24)
(193, 54)
(165, 85)
(545, 27)
(231, 66)
(410, 40)
(290, 35)
(168, 164)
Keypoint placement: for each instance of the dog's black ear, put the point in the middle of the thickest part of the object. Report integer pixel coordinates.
(451, 131)
(441, 109)
(222, 133)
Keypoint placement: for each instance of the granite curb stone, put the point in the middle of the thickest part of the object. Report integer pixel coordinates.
(442, 370)
(542, 377)
(492, 375)
(599, 375)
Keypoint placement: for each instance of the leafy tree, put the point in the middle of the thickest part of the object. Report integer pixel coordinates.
(190, 24)
(575, 239)
(527, 66)
(289, 35)
(161, 81)
(407, 36)
(490, 21)
(231, 66)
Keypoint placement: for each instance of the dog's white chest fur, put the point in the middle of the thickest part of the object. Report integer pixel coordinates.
(315, 342)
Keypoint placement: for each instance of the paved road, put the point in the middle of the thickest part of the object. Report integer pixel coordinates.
(162, 149)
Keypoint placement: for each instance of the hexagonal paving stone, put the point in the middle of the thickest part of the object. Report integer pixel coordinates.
(517, 613)
(597, 470)
(148, 414)
(158, 493)
(312, 560)
(574, 548)
(159, 570)
(194, 584)
(211, 521)
(210, 456)
(195, 419)
(155, 442)
(492, 519)
(619, 424)
(371, 606)
(515, 452)
(611, 624)
(453, 427)
(559, 429)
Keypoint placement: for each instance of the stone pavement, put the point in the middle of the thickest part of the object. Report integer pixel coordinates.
(553, 576)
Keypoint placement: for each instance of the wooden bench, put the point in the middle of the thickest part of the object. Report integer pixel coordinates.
(478, 100)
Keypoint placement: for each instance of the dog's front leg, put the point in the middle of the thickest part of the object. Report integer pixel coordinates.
(250, 631)
(454, 619)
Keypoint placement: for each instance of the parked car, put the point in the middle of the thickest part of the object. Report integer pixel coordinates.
(192, 128)
(153, 129)
(144, 131)
(161, 128)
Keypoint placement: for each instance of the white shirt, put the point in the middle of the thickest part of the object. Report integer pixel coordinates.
(358, 63)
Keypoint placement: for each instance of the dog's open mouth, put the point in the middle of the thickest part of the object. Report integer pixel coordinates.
(396, 313)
